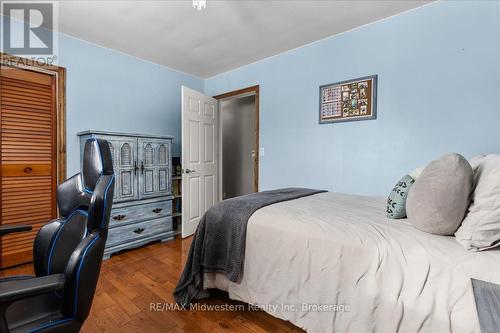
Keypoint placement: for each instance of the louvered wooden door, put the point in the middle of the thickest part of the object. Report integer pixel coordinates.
(28, 148)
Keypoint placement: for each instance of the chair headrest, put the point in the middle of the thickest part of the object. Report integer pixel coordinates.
(97, 161)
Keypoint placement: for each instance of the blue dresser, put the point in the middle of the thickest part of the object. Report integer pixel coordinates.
(142, 203)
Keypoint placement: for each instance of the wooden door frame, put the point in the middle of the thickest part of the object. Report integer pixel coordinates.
(252, 89)
(60, 74)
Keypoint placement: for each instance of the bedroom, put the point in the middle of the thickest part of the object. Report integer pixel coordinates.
(87, 93)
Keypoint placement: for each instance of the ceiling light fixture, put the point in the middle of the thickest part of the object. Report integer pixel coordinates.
(200, 4)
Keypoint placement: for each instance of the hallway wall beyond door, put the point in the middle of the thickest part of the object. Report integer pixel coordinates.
(238, 139)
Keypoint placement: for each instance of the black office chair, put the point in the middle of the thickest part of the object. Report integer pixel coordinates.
(67, 253)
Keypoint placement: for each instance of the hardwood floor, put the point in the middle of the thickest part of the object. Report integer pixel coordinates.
(131, 281)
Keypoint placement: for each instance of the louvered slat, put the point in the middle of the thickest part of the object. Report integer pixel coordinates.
(28, 124)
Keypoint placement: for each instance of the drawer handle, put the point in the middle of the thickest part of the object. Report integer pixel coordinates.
(28, 170)
(139, 230)
(157, 210)
(119, 217)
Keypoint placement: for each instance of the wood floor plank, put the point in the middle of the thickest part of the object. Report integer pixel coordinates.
(132, 280)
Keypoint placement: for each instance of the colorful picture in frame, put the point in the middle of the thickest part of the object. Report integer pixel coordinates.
(349, 100)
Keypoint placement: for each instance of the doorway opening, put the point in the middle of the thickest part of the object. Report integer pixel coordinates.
(239, 142)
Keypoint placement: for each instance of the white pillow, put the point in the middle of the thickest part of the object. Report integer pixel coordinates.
(417, 172)
(476, 161)
(480, 230)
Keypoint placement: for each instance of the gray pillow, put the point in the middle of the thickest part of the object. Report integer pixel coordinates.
(440, 197)
(396, 203)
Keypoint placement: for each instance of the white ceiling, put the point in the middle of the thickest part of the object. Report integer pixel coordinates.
(224, 36)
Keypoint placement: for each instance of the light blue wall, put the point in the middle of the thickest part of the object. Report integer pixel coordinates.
(108, 90)
(438, 91)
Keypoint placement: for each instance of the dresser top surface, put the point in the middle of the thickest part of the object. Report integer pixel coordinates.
(90, 132)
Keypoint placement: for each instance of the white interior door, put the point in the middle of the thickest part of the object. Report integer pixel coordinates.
(199, 157)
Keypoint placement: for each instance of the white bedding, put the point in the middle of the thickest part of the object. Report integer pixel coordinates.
(339, 249)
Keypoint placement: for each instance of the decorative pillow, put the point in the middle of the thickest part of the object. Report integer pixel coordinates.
(474, 163)
(480, 229)
(396, 203)
(439, 198)
(417, 172)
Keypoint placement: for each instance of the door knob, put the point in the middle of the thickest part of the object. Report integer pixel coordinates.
(189, 171)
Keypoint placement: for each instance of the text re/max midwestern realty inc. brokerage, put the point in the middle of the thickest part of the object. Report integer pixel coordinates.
(303, 307)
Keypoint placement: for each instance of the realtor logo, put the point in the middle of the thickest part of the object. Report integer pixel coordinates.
(28, 28)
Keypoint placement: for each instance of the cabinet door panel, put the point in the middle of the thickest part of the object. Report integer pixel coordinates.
(163, 185)
(113, 146)
(147, 158)
(126, 188)
(154, 158)
(164, 160)
(127, 172)
(148, 182)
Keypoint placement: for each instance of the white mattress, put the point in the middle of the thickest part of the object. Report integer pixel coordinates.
(339, 249)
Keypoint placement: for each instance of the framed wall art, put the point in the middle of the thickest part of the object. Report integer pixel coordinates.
(349, 100)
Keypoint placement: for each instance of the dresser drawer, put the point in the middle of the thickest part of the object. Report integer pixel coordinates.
(135, 231)
(131, 214)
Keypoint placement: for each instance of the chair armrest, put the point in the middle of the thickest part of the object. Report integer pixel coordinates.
(11, 228)
(11, 291)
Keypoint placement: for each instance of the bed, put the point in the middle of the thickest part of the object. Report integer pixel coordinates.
(334, 263)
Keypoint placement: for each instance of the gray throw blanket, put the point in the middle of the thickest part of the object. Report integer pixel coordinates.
(219, 242)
